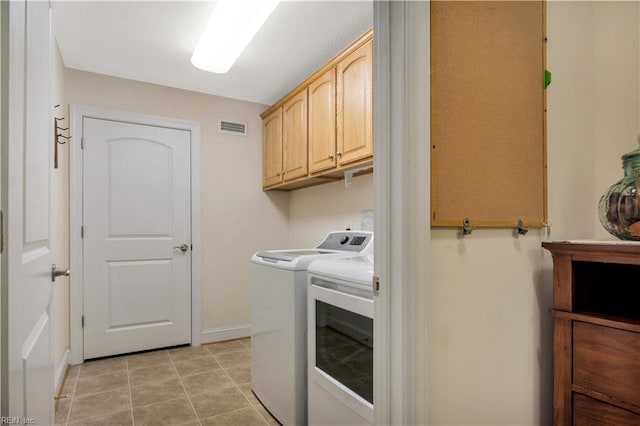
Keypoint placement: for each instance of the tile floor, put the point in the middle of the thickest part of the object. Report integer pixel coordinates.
(206, 385)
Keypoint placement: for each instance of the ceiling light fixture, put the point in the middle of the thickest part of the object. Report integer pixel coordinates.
(231, 27)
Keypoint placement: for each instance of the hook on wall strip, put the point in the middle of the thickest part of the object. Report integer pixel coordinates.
(58, 136)
(520, 228)
(467, 229)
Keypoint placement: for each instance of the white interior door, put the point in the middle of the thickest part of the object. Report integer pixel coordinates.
(137, 237)
(29, 166)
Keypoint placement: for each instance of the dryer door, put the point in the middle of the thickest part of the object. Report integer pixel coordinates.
(341, 345)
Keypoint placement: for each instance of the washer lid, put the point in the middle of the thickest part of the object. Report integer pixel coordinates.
(290, 255)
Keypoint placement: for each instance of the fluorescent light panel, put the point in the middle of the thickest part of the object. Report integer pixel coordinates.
(232, 25)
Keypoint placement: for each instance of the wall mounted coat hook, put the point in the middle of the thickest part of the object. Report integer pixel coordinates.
(467, 229)
(521, 229)
(58, 136)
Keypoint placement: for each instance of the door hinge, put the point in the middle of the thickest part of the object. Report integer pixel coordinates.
(82, 142)
(1, 231)
(375, 284)
(82, 231)
(82, 322)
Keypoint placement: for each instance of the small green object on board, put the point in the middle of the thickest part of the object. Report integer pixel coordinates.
(547, 78)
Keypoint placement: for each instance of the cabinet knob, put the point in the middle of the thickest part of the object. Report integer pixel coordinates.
(330, 156)
(339, 153)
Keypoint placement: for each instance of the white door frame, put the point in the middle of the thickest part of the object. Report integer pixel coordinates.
(402, 204)
(77, 113)
(4, 183)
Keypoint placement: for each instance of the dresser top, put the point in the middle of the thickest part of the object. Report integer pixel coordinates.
(603, 247)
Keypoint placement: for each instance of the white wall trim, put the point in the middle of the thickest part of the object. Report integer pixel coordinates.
(382, 135)
(416, 229)
(402, 226)
(5, 59)
(77, 113)
(61, 370)
(226, 333)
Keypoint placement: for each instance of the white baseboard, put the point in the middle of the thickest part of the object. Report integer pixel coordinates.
(60, 372)
(226, 333)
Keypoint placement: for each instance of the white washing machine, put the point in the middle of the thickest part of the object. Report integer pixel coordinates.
(340, 341)
(279, 321)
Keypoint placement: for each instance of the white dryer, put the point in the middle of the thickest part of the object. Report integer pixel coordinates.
(279, 321)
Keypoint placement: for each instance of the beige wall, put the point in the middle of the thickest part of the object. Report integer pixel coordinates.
(570, 116)
(238, 217)
(489, 345)
(315, 211)
(490, 332)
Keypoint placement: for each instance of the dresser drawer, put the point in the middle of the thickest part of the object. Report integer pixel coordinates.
(591, 412)
(606, 360)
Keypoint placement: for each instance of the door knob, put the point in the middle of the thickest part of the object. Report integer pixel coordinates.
(55, 272)
(183, 248)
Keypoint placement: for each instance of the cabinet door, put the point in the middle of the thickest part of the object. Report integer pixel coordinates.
(591, 412)
(272, 149)
(354, 106)
(322, 122)
(295, 137)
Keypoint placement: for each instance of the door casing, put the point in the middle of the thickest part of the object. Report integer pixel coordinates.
(401, 186)
(77, 113)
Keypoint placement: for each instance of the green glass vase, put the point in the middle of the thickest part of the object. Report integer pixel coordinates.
(619, 206)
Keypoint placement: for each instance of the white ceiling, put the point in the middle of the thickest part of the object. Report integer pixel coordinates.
(152, 41)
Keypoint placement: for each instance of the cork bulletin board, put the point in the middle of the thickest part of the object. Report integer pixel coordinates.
(488, 158)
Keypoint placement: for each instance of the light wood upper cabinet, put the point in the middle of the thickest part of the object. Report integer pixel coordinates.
(323, 127)
(294, 137)
(272, 148)
(355, 105)
(284, 142)
(322, 122)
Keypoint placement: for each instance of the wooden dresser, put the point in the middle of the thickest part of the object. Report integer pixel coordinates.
(596, 333)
